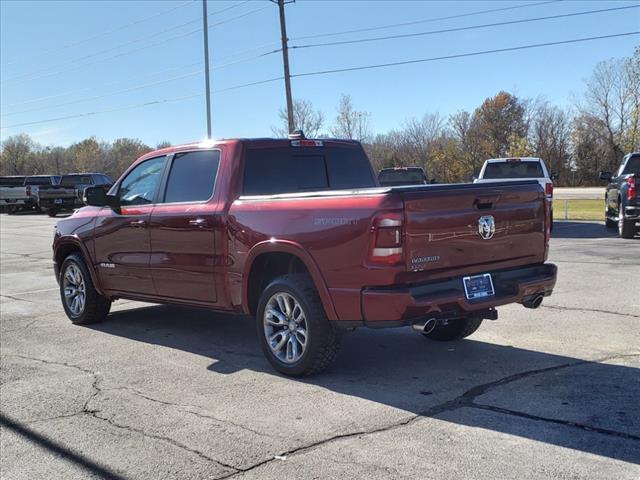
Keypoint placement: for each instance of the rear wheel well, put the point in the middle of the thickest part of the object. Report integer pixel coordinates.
(265, 268)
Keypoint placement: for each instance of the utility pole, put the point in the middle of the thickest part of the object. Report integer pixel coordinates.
(285, 60)
(206, 66)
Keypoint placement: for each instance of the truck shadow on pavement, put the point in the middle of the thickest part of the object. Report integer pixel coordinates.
(568, 229)
(568, 402)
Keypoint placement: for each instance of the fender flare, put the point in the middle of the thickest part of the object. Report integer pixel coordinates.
(73, 240)
(295, 249)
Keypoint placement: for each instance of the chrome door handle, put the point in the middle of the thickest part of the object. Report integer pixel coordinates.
(138, 223)
(198, 222)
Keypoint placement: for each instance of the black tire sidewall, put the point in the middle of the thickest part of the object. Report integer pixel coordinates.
(316, 324)
(92, 296)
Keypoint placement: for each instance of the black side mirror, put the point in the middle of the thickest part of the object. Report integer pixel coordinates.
(605, 176)
(95, 196)
(554, 176)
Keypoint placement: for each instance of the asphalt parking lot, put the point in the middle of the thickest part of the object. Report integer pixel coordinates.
(162, 392)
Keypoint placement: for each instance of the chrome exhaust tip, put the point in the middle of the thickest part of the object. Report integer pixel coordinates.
(534, 301)
(425, 327)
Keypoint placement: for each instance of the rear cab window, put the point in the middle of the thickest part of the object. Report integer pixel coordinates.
(517, 169)
(11, 181)
(40, 181)
(632, 165)
(288, 169)
(401, 177)
(73, 180)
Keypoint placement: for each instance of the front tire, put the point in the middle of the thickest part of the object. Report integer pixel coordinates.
(52, 212)
(454, 329)
(81, 301)
(607, 221)
(294, 332)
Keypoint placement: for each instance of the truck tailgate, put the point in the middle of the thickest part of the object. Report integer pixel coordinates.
(443, 225)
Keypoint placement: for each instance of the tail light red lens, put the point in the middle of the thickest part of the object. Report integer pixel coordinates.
(631, 191)
(28, 191)
(386, 244)
(549, 188)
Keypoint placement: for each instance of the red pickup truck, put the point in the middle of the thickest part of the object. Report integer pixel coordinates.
(298, 234)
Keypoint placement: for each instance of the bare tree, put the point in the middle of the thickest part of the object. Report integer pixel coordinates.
(351, 123)
(16, 155)
(550, 136)
(305, 118)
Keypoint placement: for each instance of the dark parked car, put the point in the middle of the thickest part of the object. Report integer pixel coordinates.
(391, 177)
(297, 234)
(622, 203)
(69, 193)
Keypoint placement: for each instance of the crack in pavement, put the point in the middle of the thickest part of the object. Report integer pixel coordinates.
(582, 309)
(97, 390)
(464, 400)
(557, 421)
(467, 399)
(187, 409)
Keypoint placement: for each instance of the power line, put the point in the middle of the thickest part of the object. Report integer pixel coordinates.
(125, 44)
(139, 105)
(107, 32)
(461, 55)
(190, 65)
(139, 87)
(89, 114)
(427, 20)
(469, 27)
(93, 87)
(45, 73)
(98, 97)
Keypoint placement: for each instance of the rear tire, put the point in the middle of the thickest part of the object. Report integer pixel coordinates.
(289, 306)
(52, 212)
(626, 228)
(455, 329)
(81, 301)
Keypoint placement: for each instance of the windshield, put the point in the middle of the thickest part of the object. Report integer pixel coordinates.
(73, 180)
(513, 170)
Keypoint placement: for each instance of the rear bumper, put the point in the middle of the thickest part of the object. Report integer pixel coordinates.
(399, 305)
(66, 204)
(632, 212)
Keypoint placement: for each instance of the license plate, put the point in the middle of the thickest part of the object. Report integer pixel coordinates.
(478, 286)
(57, 201)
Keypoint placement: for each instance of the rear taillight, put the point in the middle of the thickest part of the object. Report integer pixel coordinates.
(28, 191)
(386, 239)
(631, 191)
(549, 188)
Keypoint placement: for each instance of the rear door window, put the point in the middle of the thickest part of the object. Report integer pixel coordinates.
(497, 170)
(271, 171)
(192, 177)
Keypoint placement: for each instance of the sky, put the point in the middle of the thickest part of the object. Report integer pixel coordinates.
(137, 66)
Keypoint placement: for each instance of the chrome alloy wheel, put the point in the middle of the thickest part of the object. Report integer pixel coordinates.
(74, 289)
(285, 327)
